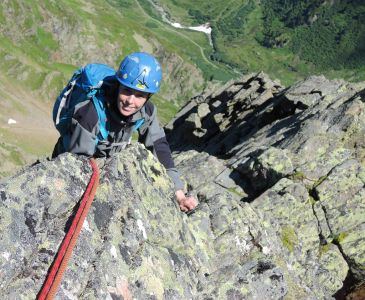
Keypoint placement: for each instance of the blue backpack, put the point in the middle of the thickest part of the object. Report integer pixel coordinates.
(89, 83)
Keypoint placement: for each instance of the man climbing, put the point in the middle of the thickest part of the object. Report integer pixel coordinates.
(138, 78)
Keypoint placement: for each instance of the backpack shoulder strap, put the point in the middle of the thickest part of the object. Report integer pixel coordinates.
(139, 122)
(103, 114)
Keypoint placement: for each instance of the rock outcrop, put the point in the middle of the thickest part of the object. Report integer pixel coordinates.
(296, 154)
(280, 179)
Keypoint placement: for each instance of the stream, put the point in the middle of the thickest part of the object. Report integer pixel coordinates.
(202, 28)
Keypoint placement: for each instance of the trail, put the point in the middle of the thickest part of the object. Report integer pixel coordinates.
(163, 25)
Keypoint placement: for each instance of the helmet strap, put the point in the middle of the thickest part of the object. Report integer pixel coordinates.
(149, 96)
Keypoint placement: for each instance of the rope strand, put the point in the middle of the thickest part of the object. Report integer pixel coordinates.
(63, 256)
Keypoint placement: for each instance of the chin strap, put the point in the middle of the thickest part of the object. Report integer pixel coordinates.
(149, 96)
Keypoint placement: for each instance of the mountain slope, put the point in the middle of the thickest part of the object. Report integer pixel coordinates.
(287, 39)
(43, 42)
(330, 34)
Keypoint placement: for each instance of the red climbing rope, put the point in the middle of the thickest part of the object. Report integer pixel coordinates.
(63, 256)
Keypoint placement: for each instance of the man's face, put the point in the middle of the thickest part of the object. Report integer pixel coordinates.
(130, 100)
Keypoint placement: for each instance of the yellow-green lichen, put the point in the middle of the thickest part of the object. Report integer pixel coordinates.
(266, 224)
(224, 288)
(244, 291)
(154, 286)
(295, 291)
(5, 218)
(289, 237)
(297, 266)
(353, 130)
(323, 248)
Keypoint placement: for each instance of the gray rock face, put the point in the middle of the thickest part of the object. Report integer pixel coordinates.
(296, 154)
(280, 180)
(135, 242)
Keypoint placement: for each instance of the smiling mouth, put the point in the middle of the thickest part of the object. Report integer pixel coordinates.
(125, 106)
(128, 108)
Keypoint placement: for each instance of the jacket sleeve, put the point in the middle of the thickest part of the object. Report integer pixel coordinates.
(153, 137)
(84, 127)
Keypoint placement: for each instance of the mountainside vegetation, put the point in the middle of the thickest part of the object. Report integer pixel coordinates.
(43, 42)
(330, 34)
(288, 39)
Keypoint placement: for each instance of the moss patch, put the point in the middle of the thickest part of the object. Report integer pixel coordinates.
(233, 190)
(298, 175)
(289, 237)
(319, 181)
(339, 238)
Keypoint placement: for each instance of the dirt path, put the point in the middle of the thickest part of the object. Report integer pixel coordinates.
(163, 25)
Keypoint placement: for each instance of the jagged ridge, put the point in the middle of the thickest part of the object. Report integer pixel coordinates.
(280, 180)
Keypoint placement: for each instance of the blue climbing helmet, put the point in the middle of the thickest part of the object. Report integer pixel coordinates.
(140, 71)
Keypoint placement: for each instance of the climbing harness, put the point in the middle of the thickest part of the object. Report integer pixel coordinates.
(63, 256)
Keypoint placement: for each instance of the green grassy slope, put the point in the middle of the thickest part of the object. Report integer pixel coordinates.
(185, 42)
(253, 35)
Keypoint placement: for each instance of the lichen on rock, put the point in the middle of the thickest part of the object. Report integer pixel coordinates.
(280, 180)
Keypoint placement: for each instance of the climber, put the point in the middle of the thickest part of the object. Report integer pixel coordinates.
(138, 78)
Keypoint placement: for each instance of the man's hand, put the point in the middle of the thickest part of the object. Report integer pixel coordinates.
(185, 203)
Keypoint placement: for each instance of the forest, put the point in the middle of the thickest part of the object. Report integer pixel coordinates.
(331, 34)
(328, 33)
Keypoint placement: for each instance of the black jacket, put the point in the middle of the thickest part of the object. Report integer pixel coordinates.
(85, 124)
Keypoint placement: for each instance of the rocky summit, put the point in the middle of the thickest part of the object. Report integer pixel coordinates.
(279, 174)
